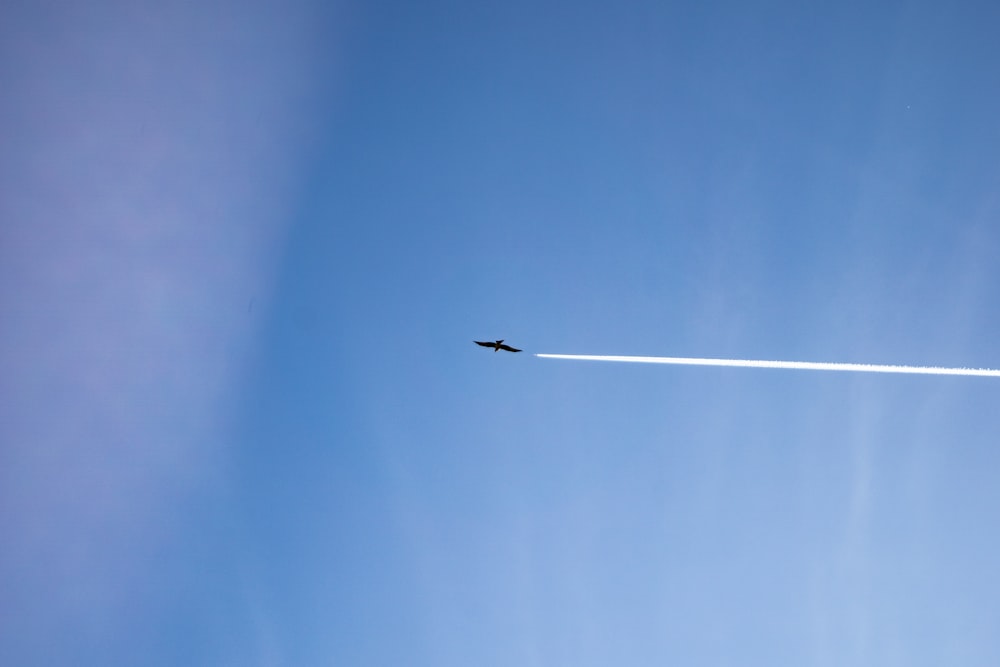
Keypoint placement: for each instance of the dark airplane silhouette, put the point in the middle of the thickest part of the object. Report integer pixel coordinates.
(497, 345)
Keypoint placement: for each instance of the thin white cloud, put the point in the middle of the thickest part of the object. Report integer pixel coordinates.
(149, 170)
(786, 365)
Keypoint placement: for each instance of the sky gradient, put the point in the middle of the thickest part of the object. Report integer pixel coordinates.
(245, 250)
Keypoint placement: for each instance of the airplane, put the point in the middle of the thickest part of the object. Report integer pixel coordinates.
(497, 345)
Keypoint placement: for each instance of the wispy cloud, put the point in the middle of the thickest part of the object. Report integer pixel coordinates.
(148, 172)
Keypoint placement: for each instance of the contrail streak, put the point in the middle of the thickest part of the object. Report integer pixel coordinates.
(791, 365)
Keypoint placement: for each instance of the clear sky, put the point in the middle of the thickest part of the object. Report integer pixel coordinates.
(245, 248)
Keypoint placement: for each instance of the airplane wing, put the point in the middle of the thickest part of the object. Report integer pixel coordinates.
(504, 346)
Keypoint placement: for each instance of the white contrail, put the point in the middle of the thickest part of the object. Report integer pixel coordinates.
(793, 365)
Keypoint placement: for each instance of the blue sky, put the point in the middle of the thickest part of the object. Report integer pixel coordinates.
(245, 249)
